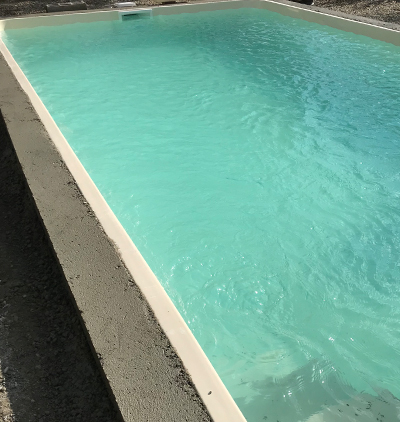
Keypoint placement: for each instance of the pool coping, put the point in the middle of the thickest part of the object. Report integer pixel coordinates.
(317, 9)
(213, 393)
(383, 31)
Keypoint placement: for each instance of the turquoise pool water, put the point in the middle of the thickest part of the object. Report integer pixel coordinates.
(254, 160)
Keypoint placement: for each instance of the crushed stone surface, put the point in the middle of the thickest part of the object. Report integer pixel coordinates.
(381, 10)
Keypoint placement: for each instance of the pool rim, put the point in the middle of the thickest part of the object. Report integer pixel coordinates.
(382, 31)
(219, 403)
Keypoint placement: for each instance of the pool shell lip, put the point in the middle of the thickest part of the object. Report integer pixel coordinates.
(214, 394)
(383, 31)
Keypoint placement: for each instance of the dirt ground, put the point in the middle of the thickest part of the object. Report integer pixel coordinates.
(382, 10)
(47, 372)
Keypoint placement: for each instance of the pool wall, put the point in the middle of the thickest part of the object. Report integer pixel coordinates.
(105, 272)
(339, 22)
(348, 23)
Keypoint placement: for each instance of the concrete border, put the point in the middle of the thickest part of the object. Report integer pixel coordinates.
(211, 389)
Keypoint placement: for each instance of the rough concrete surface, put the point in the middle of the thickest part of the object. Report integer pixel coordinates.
(47, 369)
(145, 374)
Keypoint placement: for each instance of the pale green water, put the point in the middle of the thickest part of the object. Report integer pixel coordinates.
(254, 160)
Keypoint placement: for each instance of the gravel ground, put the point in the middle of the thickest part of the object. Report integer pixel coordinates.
(47, 371)
(382, 10)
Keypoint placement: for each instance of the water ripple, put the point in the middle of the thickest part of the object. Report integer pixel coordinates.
(254, 160)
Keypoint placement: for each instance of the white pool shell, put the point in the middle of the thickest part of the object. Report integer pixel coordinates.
(220, 404)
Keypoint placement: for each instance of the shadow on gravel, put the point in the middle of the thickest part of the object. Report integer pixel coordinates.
(49, 372)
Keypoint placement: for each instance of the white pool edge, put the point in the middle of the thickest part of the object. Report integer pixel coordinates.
(345, 24)
(219, 403)
(292, 10)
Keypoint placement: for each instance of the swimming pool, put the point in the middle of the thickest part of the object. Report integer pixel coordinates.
(281, 137)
